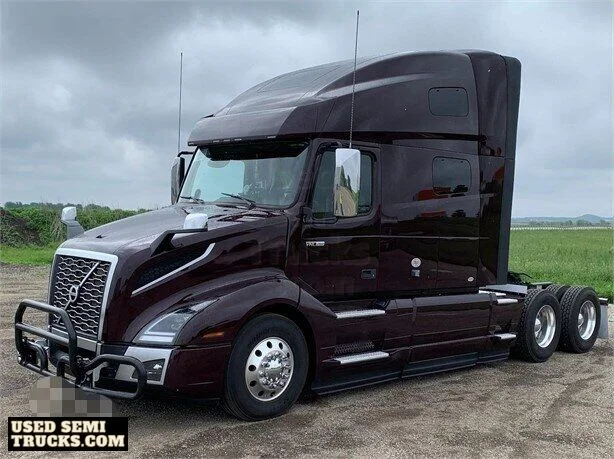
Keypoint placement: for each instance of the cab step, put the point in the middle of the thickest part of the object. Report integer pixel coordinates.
(504, 336)
(489, 291)
(357, 347)
(364, 357)
(359, 313)
(507, 301)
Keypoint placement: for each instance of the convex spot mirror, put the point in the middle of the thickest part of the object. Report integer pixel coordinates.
(178, 170)
(346, 188)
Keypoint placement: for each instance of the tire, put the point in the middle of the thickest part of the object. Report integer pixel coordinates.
(262, 346)
(557, 290)
(528, 345)
(573, 338)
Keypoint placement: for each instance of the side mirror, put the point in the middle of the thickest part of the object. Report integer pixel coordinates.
(69, 219)
(177, 173)
(346, 186)
(178, 170)
(69, 214)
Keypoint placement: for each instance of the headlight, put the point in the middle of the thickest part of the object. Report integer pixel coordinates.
(164, 329)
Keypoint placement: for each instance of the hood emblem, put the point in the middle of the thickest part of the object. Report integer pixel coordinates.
(73, 294)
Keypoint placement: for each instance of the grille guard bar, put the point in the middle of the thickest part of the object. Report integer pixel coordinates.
(34, 356)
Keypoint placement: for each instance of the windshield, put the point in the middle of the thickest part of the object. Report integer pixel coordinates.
(266, 173)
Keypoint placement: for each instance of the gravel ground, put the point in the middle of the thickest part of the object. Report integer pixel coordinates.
(564, 407)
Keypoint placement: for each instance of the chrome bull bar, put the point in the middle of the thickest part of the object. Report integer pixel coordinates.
(33, 355)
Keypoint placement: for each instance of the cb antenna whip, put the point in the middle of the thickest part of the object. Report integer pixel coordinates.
(354, 78)
(180, 85)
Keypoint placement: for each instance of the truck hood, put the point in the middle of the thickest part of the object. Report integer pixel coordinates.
(133, 233)
(236, 240)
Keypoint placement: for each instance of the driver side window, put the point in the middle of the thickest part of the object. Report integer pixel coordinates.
(322, 205)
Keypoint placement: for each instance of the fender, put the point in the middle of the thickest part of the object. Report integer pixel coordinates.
(239, 297)
(204, 344)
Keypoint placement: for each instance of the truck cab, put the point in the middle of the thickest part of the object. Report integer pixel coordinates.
(294, 259)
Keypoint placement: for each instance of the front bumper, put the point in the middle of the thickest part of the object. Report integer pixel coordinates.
(119, 371)
(67, 358)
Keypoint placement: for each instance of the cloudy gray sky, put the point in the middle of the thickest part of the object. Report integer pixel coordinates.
(89, 90)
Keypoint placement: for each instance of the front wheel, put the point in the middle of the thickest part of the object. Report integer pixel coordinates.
(267, 368)
(539, 327)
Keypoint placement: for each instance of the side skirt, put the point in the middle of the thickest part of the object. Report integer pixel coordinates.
(456, 362)
(422, 368)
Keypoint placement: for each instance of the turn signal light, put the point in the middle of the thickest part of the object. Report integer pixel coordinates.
(213, 335)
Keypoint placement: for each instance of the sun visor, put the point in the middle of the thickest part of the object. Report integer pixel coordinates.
(239, 126)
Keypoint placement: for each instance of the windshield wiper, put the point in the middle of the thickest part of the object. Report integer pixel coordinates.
(251, 203)
(193, 199)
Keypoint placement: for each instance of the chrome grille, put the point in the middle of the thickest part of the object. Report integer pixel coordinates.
(78, 286)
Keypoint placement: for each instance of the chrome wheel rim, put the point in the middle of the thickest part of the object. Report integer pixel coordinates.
(269, 369)
(545, 325)
(587, 319)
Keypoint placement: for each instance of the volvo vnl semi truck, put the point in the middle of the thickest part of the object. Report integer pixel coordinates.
(292, 261)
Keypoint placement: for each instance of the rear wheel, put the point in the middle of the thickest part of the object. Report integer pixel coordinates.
(558, 290)
(581, 317)
(539, 327)
(267, 368)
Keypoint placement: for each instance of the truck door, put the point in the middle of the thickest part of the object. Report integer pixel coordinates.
(339, 255)
(408, 257)
(456, 186)
(429, 244)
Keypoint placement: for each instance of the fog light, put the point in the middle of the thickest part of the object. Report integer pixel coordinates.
(154, 370)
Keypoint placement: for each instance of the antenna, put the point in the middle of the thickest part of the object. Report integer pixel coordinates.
(180, 85)
(354, 78)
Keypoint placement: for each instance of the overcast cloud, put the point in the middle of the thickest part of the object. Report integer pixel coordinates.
(89, 90)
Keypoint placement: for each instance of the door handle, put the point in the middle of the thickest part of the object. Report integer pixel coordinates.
(368, 274)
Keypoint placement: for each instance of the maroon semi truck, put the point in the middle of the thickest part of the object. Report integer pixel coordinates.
(295, 258)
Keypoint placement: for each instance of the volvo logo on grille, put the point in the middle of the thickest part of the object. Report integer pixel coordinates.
(73, 294)
(73, 290)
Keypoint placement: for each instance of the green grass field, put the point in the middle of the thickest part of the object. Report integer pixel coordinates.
(29, 255)
(580, 257)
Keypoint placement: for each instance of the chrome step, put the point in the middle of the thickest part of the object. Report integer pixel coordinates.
(364, 357)
(505, 336)
(360, 313)
(507, 301)
(488, 291)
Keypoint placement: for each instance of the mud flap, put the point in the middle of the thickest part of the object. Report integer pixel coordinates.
(603, 324)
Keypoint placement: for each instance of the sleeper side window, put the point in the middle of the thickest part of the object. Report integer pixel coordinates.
(322, 199)
(451, 175)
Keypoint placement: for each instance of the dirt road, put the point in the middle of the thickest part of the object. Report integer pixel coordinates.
(564, 407)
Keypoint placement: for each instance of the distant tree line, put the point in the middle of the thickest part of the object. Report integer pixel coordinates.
(564, 224)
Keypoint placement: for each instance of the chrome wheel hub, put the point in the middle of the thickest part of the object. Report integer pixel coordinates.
(269, 369)
(587, 319)
(545, 326)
